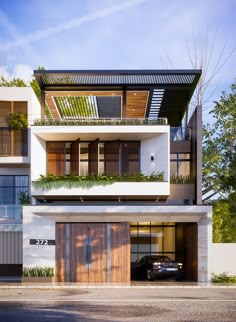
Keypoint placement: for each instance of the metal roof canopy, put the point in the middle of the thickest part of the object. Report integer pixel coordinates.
(178, 86)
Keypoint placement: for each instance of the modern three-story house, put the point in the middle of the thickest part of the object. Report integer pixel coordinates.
(111, 163)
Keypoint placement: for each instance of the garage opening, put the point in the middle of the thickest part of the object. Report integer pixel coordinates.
(177, 241)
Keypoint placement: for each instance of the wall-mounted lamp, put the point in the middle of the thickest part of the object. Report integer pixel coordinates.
(152, 157)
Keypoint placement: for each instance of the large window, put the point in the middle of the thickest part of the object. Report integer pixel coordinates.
(11, 188)
(153, 238)
(180, 164)
(83, 158)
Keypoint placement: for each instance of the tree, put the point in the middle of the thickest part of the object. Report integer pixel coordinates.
(224, 222)
(219, 148)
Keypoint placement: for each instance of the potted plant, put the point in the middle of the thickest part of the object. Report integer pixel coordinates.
(24, 198)
(17, 121)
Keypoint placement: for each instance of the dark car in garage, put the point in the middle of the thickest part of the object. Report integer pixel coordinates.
(153, 267)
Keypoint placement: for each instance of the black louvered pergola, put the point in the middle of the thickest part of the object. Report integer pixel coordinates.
(168, 92)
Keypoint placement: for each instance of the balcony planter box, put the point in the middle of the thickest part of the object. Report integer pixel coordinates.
(113, 189)
(182, 191)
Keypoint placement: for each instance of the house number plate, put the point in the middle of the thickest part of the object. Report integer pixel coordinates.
(42, 242)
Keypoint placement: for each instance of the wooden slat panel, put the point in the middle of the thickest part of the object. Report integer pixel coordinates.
(93, 157)
(60, 256)
(74, 157)
(112, 157)
(79, 272)
(136, 104)
(98, 268)
(120, 253)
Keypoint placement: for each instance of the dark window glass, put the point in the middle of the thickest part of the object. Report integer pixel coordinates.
(11, 188)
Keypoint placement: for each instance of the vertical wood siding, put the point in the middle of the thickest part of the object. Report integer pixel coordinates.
(110, 262)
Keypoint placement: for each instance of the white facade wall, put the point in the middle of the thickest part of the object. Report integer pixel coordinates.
(23, 94)
(38, 157)
(37, 227)
(223, 258)
(14, 171)
(159, 148)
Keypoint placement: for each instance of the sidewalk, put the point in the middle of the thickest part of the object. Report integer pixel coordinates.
(15, 282)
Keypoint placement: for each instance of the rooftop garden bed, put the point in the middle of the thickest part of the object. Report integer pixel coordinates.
(73, 181)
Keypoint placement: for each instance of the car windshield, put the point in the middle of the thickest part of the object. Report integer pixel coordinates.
(160, 258)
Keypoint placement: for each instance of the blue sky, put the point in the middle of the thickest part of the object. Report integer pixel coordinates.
(116, 34)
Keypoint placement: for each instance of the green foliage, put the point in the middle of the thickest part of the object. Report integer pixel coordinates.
(15, 82)
(38, 271)
(224, 221)
(92, 121)
(34, 84)
(17, 121)
(181, 179)
(73, 181)
(219, 146)
(24, 198)
(223, 278)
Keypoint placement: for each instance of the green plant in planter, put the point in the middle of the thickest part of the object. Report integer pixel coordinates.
(223, 278)
(24, 198)
(17, 121)
(38, 271)
(73, 181)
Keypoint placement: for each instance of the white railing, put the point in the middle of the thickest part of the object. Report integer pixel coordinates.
(11, 211)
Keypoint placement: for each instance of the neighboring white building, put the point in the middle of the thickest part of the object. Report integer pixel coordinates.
(117, 124)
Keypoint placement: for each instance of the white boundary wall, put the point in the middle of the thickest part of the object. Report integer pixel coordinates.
(223, 258)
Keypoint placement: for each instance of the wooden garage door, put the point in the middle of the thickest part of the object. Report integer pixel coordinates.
(92, 252)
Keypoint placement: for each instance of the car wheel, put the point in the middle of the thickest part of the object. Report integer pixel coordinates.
(149, 275)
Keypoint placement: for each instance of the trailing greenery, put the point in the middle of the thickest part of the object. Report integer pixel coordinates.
(38, 271)
(223, 278)
(181, 179)
(17, 121)
(95, 121)
(73, 181)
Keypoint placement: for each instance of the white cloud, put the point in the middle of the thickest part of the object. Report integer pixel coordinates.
(41, 34)
(22, 71)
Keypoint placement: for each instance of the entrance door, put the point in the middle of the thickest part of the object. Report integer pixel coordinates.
(186, 248)
(92, 252)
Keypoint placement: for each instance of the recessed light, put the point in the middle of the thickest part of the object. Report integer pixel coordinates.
(135, 94)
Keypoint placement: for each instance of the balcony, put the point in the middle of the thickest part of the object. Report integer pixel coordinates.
(102, 187)
(10, 212)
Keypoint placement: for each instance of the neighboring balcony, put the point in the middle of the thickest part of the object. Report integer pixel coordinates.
(10, 214)
(13, 146)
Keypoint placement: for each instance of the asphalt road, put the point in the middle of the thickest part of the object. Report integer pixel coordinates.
(131, 304)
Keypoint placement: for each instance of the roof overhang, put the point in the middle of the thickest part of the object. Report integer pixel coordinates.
(162, 93)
